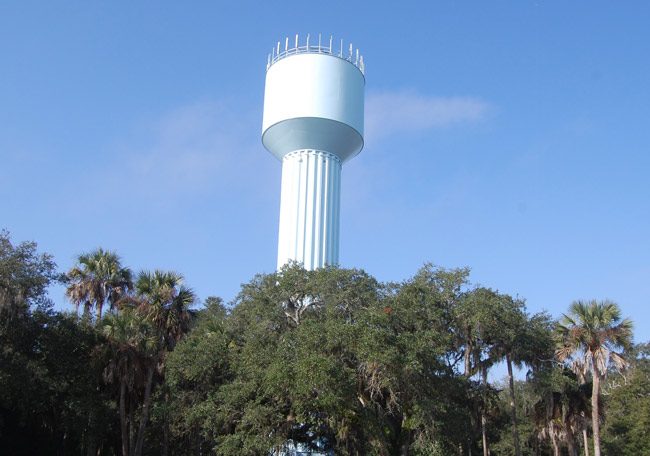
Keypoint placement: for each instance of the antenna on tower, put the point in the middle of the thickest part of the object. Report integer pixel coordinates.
(350, 54)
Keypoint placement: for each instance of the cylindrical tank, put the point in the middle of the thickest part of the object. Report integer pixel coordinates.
(313, 122)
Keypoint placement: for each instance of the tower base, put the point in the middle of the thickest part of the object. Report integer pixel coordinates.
(309, 209)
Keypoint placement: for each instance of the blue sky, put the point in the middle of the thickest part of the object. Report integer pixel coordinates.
(510, 137)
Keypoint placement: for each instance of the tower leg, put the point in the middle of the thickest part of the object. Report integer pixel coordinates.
(309, 209)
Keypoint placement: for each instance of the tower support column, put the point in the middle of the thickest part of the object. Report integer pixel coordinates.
(310, 208)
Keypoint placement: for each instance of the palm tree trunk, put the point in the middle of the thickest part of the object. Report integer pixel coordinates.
(404, 439)
(595, 424)
(91, 450)
(123, 427)
(145, 409)
(131, 422)
(513, 409)
(571, 444)
(486, 451)
(404, 449)
(556, 447)
(586, 441)
(165, 447)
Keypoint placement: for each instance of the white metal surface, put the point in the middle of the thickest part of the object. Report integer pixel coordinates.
(309, 209)
(313, 101)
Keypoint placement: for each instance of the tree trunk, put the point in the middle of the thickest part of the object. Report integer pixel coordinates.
(404, 449)
(571, 445)
(556, 447)
(123, 428)
(91, 450)
(468, 354)
(513, 404)
(404, 442)
(586, 442)
(595, 424)
(131, 422)
(145, 409)
(486, 451)
(165, 448)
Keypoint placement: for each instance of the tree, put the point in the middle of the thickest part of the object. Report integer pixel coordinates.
(131, 344)
(589, 334)
(332, 360)
(164, 303)
(98, 279)
(418, 351)
(296, 339)
(504, 340)
(24, 276)
(520, 339)
(627, 397)
(51, 395)
(563, 404)
(477, 319)
(198, 367)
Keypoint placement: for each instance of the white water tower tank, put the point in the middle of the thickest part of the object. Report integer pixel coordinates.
(313, 123)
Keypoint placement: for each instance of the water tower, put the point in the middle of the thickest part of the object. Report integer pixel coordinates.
(313, 123)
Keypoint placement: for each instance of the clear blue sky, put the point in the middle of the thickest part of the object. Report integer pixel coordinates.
(511, 137)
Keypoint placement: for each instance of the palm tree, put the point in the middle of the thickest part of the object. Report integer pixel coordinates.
(560, 410)
(164, 302)
(131, 342)
(520, 340)
(589, 334)
(503, 340)
(98, 279)
(477, 319)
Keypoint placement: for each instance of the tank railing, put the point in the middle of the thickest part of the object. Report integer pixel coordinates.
(349, 54)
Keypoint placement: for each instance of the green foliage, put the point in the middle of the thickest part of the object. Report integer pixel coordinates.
(97, 279)
(591, 334)
(51, 400)
(328, 360)
(196, 369)
(500, 419)
(588, 337)
(24, 276)
(627, 400)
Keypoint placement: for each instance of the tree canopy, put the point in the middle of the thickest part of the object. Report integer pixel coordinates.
(330, 361)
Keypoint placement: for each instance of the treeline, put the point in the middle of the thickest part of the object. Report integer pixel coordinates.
(330, 361)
